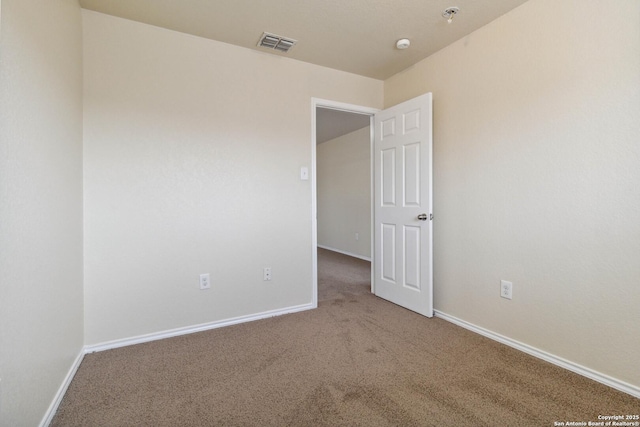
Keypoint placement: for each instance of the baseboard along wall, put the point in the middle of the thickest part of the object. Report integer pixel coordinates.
(192, 329)
(351, 254)
(548, 357)
(53, 407)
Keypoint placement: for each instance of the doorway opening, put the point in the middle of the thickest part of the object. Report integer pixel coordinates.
(342, 191)
(401, 208)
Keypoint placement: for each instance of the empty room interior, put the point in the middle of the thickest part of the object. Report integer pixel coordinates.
(162, 180)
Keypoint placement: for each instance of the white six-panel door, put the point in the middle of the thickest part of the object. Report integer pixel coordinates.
(403, 205)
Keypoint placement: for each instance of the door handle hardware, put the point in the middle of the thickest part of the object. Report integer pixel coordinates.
(422, 217)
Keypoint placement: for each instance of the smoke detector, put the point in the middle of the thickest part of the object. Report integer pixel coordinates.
(275, 42)
(403, 43)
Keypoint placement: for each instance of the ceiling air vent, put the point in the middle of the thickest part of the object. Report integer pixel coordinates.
(271, 41)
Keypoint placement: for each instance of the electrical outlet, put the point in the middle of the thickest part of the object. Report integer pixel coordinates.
(357, 236)
(506, 289)
(267, 274)
(205, 281)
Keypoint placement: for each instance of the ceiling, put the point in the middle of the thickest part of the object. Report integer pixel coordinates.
(357, 36)
(331, 124)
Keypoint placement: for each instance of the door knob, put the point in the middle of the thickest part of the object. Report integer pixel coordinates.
(422, 217)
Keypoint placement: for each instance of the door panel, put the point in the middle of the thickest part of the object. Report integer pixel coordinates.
(412, 257)
(411, 169)
(388, 170)
(388, 249)
(402, 194)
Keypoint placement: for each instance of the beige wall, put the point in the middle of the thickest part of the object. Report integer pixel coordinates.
(344, 193)
(193, 151)
(536, 172)
(41, 319)
(192, 157)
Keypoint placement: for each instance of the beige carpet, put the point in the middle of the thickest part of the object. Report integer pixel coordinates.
(355, 361)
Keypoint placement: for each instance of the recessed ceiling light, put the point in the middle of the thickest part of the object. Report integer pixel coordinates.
(403, 43)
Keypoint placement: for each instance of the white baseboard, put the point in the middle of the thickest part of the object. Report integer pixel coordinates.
(192, 329)
(548, 357)
(345, 253)
(53, 407)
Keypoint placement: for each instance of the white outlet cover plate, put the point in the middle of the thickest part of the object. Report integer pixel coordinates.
(506, 289)
(205, 281)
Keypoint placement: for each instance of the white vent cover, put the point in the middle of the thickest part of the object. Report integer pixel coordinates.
(279, 43)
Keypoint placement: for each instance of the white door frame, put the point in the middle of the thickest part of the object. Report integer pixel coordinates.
(350, 108)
